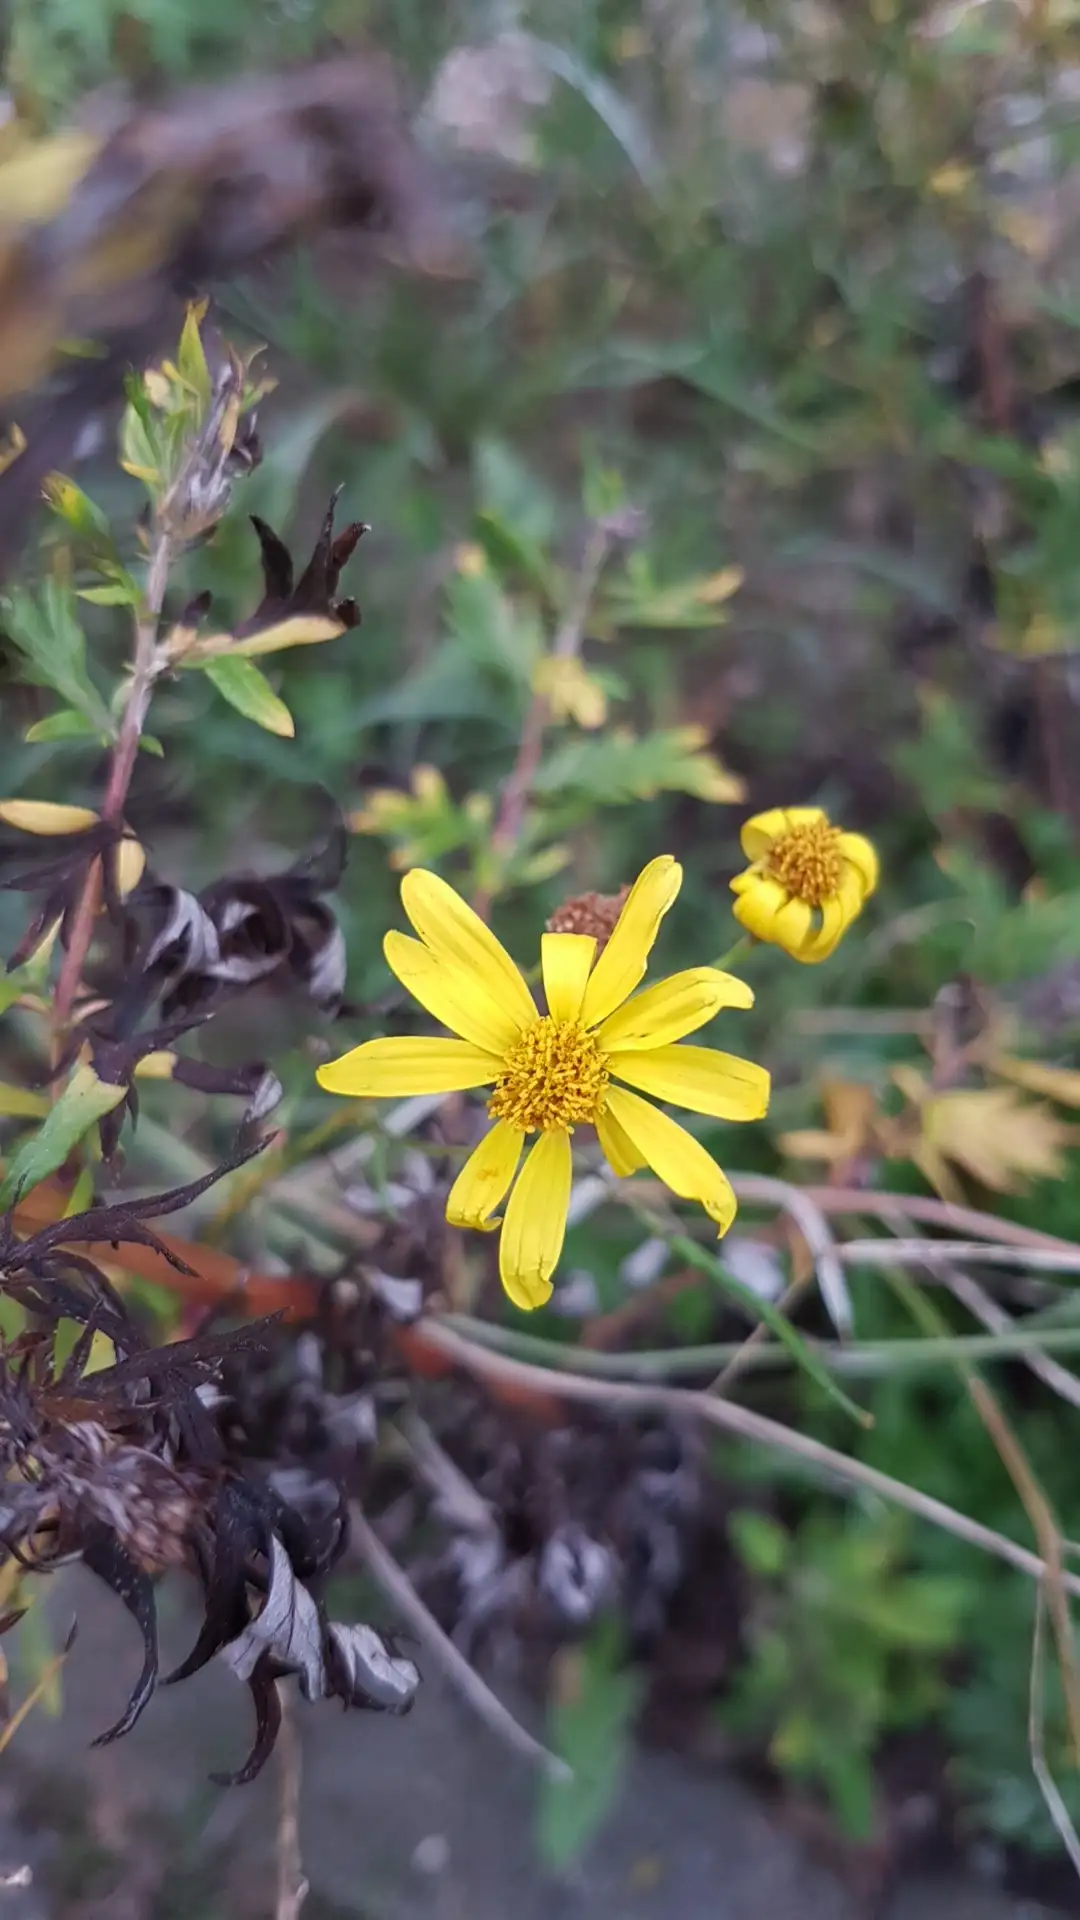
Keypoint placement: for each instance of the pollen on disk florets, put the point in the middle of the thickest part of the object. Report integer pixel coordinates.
(554, 1076)
(807, 861)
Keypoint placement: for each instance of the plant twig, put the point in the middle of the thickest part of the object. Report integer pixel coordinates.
(292, 1882)
(486, 1705)
(143, 674)
(747, 1425)
(565, 646)
(986, 1310)
(918, 1207)
(942, 1253)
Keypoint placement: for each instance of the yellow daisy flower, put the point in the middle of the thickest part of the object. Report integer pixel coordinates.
(556, 1070)
(806, 882)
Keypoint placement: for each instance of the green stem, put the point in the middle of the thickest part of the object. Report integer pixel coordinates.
(739, 951)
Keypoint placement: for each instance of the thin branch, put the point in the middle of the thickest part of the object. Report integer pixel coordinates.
(942, 1253)
(565, 646)
(748, 1425)
(486, 1705)
(918, 1207)
(144, 671)
(986, 1310)
(292, 1883)
(461, 1505)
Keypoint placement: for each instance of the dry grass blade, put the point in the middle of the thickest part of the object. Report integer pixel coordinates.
(990, 1315)
(39, 1689)
(815, 1230)
(1048, 1787)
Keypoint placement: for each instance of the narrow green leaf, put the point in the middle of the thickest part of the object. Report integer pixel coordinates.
(84, 1101)
(72, 505)
(66, 724)
(800, 1350)
(149, 743)
(115, 595)
(191, 358)
(241, 683)
(590, 1728)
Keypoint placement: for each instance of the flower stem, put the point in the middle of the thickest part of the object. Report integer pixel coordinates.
(145, 668)
(739, 951)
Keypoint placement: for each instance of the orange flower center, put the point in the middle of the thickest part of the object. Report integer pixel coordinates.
(554, 1076)
(808, 862)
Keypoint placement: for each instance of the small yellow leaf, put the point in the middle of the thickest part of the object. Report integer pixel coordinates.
(1000, 1140)
(46, 816)
(718, 587)
(21, 1103)
(850, 1113)
(1053, 1083)
(130, 866)
(300, 630)
(156, 1066)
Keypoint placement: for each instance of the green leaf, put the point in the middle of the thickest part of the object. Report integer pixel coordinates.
(48, 634)
(760, 1309)
(191, 357)
(114, 595)
(590, 1729)
(246, 688)
(75, 508)
(66, 724)
(149, 743)
(498, 635)
(614, 767)
(84, 1101)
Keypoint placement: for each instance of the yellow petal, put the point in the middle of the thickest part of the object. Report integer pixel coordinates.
(679, 1160)
(757, 908)
(448, 925)
(719, 1084)
(673, 1008)
(535, 1223)
(565, 959)
(626, 955)
(46, 816)
(394, 1068)
(836, 917)
(619, 1150)
(130, 866)
(793, 926)
(485, 1177)
(451, 995)
(757, 834)
(863, 858)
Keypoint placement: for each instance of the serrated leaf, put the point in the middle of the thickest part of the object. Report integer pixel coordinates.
(241, 683)
(617, 766)
(50, 639)
(497, 634)
(63, 725)
(84, 1101)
